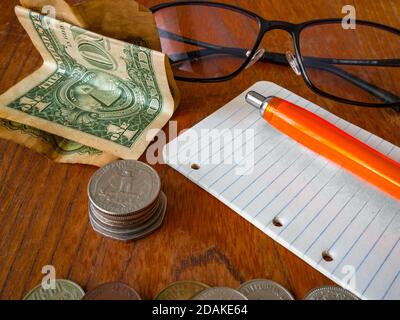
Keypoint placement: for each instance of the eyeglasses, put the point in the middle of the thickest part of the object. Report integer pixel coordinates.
(213, 42)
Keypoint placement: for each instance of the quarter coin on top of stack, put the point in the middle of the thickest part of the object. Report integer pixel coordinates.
(125, 200)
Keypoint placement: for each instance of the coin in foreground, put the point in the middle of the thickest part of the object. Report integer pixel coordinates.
(330, 293)
(219, 293)
(181, 290)
(112, 291)
(64, 290)
(264, 290)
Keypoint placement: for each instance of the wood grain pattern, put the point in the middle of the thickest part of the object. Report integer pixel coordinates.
(43, 205)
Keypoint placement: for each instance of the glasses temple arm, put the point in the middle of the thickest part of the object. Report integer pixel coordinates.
(280, 58)
(196, 54)
(385, 96)
(172, 36)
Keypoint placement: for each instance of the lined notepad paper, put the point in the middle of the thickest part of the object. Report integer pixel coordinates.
(306, 203)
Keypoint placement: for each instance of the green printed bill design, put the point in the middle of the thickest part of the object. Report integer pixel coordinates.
(100, 92)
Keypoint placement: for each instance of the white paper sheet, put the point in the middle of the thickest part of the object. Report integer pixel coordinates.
(322, 208)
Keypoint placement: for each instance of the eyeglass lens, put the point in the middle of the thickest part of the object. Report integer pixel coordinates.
(205, 42)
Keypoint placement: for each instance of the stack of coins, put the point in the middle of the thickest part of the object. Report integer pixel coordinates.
(125, 200)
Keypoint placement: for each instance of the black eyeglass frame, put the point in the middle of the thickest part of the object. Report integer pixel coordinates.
(295, 31)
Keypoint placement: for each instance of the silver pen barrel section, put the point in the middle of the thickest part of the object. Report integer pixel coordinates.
(258, 100)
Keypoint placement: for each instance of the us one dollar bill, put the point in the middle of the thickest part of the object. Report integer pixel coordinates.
(93, 90)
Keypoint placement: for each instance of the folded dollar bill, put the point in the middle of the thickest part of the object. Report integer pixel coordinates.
(94, 90)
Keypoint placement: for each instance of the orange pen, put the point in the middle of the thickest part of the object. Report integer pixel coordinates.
(329, 141)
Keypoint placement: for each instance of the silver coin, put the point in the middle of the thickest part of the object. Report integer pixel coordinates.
(125, 223)
(219, 293)
(330, 293)
(128, 230)
(136, 216)
(64, 290)
(133, 234)
(135, 227)
(124, 187)
(260, 289)
(128, 236)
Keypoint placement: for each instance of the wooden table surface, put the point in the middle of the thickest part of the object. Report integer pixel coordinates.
(43, 205)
